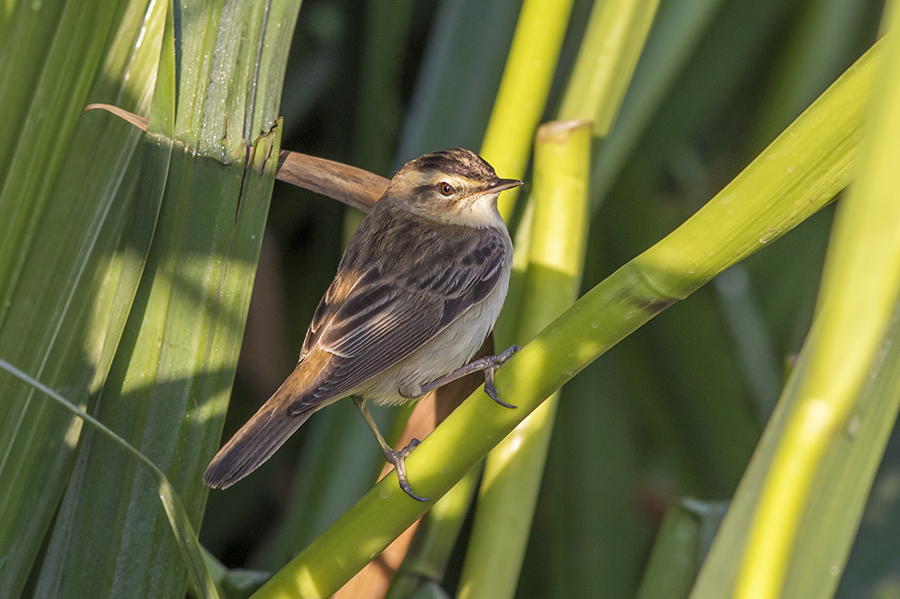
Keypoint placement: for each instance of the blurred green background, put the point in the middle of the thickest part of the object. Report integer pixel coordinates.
(650, 441)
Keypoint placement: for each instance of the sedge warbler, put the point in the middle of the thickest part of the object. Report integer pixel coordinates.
(418, 289)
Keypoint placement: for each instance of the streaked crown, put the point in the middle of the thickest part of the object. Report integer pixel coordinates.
(457, 162)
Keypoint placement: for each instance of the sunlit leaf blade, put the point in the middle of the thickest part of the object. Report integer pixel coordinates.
(842, 489)
(74, 194)
(107, 529)
(25, 35)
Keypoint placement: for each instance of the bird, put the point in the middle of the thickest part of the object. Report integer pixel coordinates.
(418, 289)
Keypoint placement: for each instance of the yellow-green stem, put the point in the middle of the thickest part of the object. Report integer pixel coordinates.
(523, 89)
(518, 107)
(609, 52)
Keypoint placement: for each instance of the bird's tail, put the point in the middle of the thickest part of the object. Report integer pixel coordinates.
(256, 441)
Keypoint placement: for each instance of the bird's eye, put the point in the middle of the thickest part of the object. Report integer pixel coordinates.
(445, 188)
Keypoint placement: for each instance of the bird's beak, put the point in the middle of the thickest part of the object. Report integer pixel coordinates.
(503, 184)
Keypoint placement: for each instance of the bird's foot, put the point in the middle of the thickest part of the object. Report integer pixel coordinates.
(398, 460)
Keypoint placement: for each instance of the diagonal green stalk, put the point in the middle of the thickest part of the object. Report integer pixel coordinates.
(799, 173)
(513, 472)
(856, 301)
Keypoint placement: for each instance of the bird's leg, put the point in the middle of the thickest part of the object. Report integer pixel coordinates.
(487, 364)
(396, 458)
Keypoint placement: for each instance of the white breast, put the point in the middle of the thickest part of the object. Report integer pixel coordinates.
(445, 352)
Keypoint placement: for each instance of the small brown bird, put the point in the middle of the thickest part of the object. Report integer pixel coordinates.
(418, 289)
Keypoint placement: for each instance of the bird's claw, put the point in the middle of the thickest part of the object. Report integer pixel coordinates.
(398, 460)
(498, 361)
(413, 443)
(504, 356)
(491, 390)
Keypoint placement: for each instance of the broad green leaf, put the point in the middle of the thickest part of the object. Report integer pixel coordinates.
(211, 153)
(68, 194)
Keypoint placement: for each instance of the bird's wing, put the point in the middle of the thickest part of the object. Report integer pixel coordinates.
(398, 304)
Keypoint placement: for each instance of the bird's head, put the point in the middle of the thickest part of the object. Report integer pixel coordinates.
(451, 186)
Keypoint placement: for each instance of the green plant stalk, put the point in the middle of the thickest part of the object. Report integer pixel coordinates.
(606, 60)
(518, 108)
(106, 511)
(513, 472)
(858, 295)
(523, 91)
(798, 174)
(828, 526)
